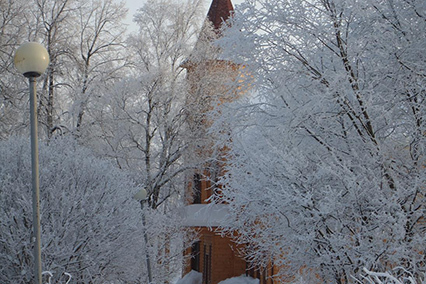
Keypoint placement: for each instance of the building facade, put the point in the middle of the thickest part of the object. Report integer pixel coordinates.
(212, 80)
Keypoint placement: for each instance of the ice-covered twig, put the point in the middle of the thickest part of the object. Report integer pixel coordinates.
(386, 278)
(50, 275)
(69, 277)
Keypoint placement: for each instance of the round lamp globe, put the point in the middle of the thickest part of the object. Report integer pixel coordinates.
(31, 59)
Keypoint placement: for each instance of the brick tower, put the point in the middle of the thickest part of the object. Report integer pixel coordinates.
(211, 81)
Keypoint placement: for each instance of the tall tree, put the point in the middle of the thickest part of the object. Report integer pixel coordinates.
(85, 41)
(140, 120)
(326, 168)
(100, 53)
(12, 100)
(52, 21)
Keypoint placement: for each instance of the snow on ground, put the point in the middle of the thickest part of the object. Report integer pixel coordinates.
(192, 277)
(195, 277)
(240, 280)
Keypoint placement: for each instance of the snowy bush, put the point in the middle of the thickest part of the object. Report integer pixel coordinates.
(90, 225)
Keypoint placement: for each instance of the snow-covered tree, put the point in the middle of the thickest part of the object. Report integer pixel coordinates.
(90, 224)
(141, 119)
(100, 56)
(49, 22)
(85, 41)
(12, 100)
(326, 159)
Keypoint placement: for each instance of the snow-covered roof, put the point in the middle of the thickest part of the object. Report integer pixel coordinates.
(205, 215)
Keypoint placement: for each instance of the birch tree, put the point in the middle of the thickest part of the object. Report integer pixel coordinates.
(99, 57)
(52, 20)
(12, 100)
(142, 122)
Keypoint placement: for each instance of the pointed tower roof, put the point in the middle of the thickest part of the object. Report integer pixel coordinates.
(204, 50)
(219, 12)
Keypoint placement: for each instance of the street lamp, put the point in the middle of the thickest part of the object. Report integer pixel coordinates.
(32, 59)
(141, 196)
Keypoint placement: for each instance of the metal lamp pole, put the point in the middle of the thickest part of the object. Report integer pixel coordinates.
(32, 59)
(35, 180)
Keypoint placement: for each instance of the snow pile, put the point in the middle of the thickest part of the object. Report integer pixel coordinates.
(192, 277)
(240, 280)
(195, 277)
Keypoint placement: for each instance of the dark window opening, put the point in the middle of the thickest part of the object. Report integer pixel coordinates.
(196, 189)
(263, 275)
(214, 176)
(259, 273)
(250, 270)
(195, 256)
(207, 264)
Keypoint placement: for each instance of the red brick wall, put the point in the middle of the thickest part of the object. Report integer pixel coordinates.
(225, 260)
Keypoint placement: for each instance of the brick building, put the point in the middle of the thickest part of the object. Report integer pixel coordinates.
(212, 80)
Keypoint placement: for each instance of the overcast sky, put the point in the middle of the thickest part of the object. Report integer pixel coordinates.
(133, 5)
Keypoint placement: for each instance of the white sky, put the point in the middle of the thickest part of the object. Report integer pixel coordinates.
(133, 5)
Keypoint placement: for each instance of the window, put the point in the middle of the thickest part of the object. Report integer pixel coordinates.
(195, 256)
(263, 275)
(207, 271)
(250, 270)
(259, 273)
(196, 189)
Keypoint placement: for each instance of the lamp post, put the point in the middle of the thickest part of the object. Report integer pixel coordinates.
(32, 59)
(141, 196)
